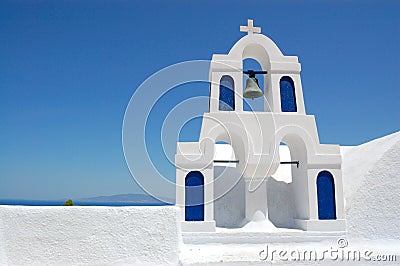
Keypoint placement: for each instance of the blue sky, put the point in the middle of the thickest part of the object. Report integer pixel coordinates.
(69, 68)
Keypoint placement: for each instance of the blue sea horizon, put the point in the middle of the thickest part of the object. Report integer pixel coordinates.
(22, 202)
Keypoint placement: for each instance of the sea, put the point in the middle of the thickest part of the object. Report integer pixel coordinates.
(20, 202)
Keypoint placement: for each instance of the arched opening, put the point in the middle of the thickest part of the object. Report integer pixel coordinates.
(287, 189)
(280, 200)
(257, 104)
(284, 171)
(288, 95)
(226, 94)
(194, 196)
(326, 196)
(224, 155)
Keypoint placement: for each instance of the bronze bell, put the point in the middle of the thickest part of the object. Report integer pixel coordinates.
(252, 89)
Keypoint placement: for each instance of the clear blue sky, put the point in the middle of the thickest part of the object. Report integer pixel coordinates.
(69, 68)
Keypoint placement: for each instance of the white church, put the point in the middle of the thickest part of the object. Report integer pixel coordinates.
(236, 181)
(226, 178)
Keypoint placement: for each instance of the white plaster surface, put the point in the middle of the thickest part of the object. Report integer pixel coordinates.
(371, 175)
(371, 189)
(89, 235)
(249, 254)
(152, 235)
(372, 193)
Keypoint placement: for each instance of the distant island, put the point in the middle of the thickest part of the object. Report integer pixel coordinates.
(132, 198)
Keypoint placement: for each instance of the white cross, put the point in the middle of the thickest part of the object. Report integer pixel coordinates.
(250, 29)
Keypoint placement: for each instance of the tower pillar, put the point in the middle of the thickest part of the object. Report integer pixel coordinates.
(256, 199)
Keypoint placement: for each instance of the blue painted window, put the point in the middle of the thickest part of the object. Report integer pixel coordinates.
(194, 197)
(288, 95)
(226, 94)
(326, 196)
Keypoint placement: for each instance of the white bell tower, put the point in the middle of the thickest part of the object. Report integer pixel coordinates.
(255, 137)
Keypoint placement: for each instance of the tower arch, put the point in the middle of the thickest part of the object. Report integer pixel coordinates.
(257, 46)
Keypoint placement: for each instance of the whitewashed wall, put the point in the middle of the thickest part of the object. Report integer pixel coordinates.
(89, 235)
(372, 188)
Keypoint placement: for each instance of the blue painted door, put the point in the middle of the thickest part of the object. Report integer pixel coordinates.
(326, 196)
(288, 96)
(194, 197)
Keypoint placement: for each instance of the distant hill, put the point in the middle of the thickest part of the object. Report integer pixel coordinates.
(137, 198)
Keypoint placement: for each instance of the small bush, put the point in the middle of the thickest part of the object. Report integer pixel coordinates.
(68, 203)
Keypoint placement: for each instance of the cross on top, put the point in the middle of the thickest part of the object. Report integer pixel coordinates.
(250, 29)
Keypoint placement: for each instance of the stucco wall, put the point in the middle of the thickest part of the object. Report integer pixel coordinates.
(89, 235)
(372, 210)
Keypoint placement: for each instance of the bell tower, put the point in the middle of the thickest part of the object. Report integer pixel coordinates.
(255, 137)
